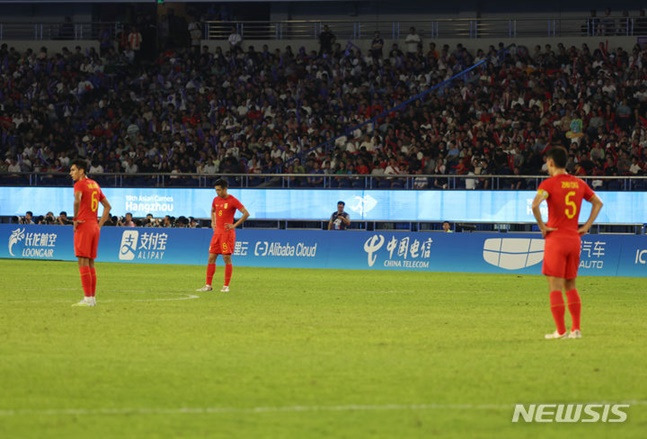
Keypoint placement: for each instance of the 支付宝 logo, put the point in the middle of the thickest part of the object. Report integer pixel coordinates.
(144, 246)
(128, 245)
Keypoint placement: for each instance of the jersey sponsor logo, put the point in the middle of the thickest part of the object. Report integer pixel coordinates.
(398, 253)
(513, 253)
(570, 413)
(32, 244)
(362, 205)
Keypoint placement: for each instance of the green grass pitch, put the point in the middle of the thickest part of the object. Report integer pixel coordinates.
(308, 354)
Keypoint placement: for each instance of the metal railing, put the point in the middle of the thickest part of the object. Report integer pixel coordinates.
(56, 31)
(431, 28)
(321, 181)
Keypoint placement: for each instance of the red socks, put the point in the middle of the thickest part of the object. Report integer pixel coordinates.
(229, 268)
(574, 307)
(93, 274)
(86, 281)
(558, 310)
(211, 269)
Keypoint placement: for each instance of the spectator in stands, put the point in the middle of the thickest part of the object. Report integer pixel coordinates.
(127, 221)
(63, 220)
(135, 44)
(377, 45)
(48, 219)
(413, 42)
(447, 227)
(195, 31)
(235, 41)
(326, 41)
(28, 218)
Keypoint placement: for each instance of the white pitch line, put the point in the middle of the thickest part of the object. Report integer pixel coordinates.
(189, 297)
(100, 301)
(260, 410)
(250, 410)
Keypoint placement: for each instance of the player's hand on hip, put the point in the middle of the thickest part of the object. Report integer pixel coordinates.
(583, 230)
(229, 226)
(546, 230)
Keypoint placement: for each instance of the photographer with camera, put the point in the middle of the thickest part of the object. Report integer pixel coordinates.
(63, 220)
(48, 219)
(339, 220)
(27, 219)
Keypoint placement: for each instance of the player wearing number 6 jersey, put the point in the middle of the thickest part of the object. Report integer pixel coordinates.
(563, 194)
(223, 208)
(87, 197)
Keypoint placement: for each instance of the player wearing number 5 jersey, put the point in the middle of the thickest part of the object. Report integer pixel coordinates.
(223, 208)
(563, 194)
(87, 197)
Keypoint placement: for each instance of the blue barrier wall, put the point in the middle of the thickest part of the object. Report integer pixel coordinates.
(300, 204)
(602, 255)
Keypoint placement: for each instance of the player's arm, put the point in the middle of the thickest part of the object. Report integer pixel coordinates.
(595, 210)
(241, 219)
(77, 205)
(105, 216)
(213, 218)
(539, 198)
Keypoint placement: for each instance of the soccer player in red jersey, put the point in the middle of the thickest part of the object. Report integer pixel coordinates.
(87, 196)
(563, 194)
(223, 208)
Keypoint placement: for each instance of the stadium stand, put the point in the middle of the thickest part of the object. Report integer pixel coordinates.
(258, 112)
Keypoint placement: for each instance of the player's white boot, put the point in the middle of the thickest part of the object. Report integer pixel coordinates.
(556, 335)
(87, 301)
(224, 289)
(205, 288)
(575, 334)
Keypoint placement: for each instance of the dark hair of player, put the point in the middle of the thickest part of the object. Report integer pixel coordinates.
(559, 156)
(80, 164)
(221, 182)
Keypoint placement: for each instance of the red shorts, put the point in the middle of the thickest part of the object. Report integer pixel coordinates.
(562, 256)
(223, 242)
(86, 240)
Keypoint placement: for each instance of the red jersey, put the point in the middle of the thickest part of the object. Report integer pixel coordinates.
(564, 194)
(90, 199)
(225, 208)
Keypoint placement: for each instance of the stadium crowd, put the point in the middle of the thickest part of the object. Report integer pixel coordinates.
(338, 112)
(125, 221)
